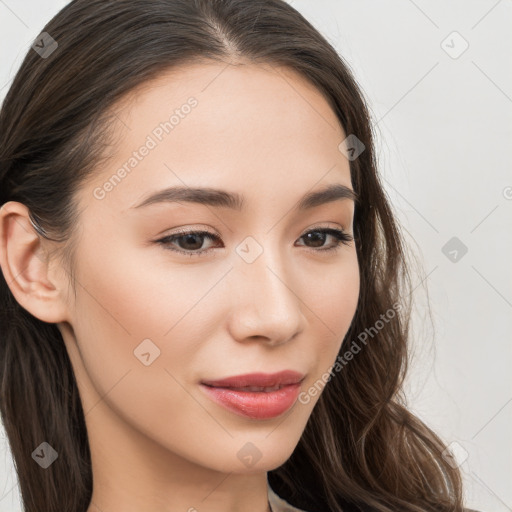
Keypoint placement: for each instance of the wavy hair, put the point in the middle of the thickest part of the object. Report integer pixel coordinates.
(361, 448)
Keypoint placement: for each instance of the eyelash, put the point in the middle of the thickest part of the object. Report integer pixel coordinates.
(342, 237)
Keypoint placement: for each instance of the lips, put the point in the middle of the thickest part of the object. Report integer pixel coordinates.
(257, 381)
(258, 396)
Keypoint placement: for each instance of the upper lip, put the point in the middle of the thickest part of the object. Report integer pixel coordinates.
(282, 378)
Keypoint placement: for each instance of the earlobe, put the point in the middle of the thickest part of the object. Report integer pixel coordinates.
(25, 265)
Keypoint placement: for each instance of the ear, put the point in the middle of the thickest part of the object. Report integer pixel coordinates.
(27, 268)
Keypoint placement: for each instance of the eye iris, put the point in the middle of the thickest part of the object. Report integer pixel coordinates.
(191, 236)
(317, 236)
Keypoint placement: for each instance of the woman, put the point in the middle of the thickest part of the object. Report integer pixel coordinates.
(258, 369)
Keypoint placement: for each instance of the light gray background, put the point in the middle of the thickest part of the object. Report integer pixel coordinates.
(444, 136)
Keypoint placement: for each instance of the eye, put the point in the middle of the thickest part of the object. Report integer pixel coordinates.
(190, 242)
(341, 237)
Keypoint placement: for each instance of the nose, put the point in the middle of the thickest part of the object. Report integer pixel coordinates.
(264, 305)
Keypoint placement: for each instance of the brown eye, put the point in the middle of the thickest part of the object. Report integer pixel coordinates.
(318, 241)
(189, 242)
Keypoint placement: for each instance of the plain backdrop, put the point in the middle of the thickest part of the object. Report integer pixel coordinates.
(437, 76)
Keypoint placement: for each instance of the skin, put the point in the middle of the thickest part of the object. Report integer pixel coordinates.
(157, 441)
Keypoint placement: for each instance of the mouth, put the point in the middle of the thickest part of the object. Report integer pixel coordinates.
(256, 401)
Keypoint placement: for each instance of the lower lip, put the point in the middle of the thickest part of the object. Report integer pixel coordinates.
(255, 404)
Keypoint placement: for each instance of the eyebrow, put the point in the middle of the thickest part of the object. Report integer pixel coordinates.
(224, 199)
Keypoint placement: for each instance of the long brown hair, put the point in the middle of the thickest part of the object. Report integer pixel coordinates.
(361, 449)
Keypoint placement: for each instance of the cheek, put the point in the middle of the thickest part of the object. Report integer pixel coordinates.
(332, 293)
(332, 301)
(122, 302)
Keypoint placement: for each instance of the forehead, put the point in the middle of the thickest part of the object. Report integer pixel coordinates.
(247, 127)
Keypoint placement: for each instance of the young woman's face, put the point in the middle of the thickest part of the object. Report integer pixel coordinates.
(256, 294)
